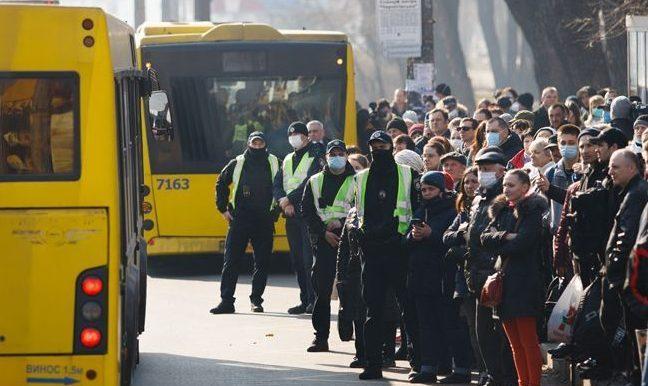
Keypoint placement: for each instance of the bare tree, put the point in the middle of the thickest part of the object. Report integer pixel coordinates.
(485, 9)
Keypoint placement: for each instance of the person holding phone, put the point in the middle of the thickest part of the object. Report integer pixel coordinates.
(424, 309)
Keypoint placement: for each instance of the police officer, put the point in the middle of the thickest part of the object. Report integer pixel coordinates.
(248, 207)
(328, 197)
(289, 183)
(386, 195)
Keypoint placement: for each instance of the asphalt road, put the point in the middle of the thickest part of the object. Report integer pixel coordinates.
(185, 345)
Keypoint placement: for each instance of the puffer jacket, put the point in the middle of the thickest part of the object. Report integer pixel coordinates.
(519, 258)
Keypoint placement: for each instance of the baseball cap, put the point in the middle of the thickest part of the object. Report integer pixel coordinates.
(490, 155)
(335, 144)
(612, 136)
(381, 136)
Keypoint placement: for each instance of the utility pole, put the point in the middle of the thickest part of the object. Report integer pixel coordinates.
(140, 12)
(170, 11)
(202, 10)
(427, 40)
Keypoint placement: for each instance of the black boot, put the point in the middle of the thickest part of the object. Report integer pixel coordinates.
(358, 363)
(296, 310)
(456, 379)
(423, 378)
(371, 373)
(318, 346)
(223, 308)
(309, 308)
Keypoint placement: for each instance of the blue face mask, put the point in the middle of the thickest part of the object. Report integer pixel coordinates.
(493, 139)
(569, 151)
(598, 113)
(606, 117)
(337, 163)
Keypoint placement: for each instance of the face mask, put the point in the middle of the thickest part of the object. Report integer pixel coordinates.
(486, 179)
(515, 107)
(606, 117)
(569, 151)
(381, 155)
(295, 141)
(492, 139)
(256, 152)
(336, 163)
(456, 143)
(598, 113)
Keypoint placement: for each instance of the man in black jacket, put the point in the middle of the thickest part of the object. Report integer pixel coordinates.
(248, 207)
(386, 195)
(541, 116)
(480, 264)
(289, 183)
(328, 197)
(498, 134)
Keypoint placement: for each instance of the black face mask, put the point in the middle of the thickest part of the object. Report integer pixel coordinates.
(256, 152)
(382, 156)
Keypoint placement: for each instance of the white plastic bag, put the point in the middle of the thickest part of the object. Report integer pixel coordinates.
(561, 321)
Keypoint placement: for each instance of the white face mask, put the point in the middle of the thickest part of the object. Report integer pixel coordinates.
(295, 141)
(486, 179)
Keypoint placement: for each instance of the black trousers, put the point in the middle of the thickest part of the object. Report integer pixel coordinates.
(384, 266)
(323, 276)
(300, 257)
(240, 232)
(423, 316)
(457, 336)
(468, 312)
(494, 346)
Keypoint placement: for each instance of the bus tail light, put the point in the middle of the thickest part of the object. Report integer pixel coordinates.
(92, 285)
(91, 311)
(90, 337)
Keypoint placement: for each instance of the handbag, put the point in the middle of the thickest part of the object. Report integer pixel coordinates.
(491, 294)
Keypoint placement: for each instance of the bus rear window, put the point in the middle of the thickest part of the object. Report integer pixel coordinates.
(39, 126)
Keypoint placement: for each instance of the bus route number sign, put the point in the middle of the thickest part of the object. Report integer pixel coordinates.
(172, 183)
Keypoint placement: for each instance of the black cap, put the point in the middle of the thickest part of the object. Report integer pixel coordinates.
(504, 102)
(612, 136)
(552, 141)
(398, 124)
(335, 144)
(449, 101)
(592, 132)
(456, 156)
(490, 155)
(381, 136)
(297, 128)
(256, 134)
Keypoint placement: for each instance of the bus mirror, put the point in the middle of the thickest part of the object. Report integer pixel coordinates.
(160, 113)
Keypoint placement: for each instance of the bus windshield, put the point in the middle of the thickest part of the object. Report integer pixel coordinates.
(215, 109)
(38, 126)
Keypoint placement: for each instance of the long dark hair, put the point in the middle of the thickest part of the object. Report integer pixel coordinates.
(480, 138)
(464, 202)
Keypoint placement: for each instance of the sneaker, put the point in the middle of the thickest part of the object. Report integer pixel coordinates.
(423, 378)
(256, 307)
(371, 373)
(318, 346)
(456, 379)
(309, 308)
(223, 308)
(561, 351)
(296, 310)
(357, 363)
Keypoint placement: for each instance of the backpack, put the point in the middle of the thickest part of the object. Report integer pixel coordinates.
(588, 334)
(589, 225)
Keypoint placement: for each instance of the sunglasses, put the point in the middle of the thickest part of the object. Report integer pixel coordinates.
(464, 128)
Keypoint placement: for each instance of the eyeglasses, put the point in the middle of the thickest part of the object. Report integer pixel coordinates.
(464, 128)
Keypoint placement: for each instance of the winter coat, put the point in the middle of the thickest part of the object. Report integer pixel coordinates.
(511, 146)
(348, 271)
(519, 258)
(480, 262)
(625, 230)
(454, 239)
(426, 256)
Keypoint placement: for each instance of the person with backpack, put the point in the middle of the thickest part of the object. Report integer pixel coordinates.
(514, 235)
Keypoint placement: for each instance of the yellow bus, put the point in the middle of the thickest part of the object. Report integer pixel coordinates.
(225, 81)
(72, 256)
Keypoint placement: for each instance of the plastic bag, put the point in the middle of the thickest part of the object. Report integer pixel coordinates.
(561, 321)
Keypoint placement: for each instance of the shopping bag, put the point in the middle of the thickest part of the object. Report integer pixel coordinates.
(561, 321)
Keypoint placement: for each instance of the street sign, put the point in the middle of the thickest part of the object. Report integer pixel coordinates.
(399, 27)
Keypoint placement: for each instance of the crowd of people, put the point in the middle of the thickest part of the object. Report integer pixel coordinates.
(436, 208)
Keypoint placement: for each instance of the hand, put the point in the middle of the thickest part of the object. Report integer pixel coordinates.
(227, 216)
(421, 232)
(333, 225)
(283, 202)
(542, 183)
(578, 167)
(332, 239)
(289, 210)
(510, 236)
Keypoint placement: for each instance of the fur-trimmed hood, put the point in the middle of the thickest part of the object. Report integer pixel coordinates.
(531, 203)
